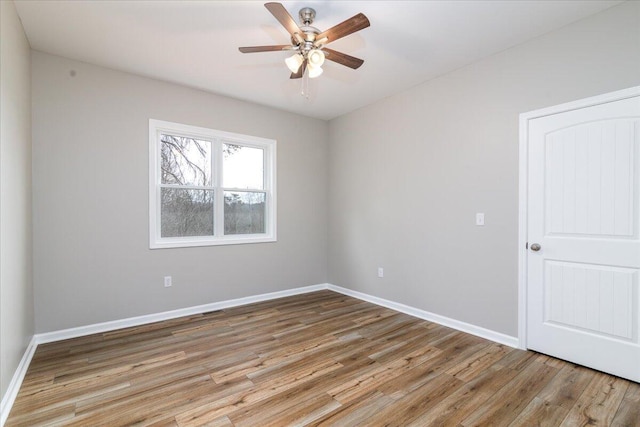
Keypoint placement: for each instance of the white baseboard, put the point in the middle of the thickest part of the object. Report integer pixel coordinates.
(16, 382)
(167, 315)
(431, 317)
(188, 311)
(14, 386)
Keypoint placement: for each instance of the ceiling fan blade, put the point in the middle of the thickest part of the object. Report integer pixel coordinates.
(281, 14)
(350, 26)
(300, 72)
(343, 58)
(252, 49)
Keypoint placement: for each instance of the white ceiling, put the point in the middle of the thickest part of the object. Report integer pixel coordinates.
(195, 43)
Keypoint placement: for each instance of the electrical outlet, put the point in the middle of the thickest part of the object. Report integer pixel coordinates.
(380, 272)
(167, 281)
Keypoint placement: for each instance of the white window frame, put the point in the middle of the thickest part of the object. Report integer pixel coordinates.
(217, 139)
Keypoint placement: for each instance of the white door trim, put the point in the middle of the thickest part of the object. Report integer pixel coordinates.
(523, 189)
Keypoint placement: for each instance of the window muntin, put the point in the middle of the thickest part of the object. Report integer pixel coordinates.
(209, 187)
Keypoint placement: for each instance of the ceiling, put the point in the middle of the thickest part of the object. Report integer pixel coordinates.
(195, 43)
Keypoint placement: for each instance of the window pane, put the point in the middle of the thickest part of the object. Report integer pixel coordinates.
(186, 212)
(244, 212)
(185, 161)
(243, 167)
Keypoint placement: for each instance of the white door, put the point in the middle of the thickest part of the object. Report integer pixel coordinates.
(583, 212)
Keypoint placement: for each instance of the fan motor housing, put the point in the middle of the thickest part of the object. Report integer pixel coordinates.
(307, 15)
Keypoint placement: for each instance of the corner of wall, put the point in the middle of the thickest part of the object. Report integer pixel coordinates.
(16, 280)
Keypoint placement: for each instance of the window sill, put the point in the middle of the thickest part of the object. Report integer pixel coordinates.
(191, 242)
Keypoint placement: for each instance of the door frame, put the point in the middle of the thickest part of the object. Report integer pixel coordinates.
(523, 195)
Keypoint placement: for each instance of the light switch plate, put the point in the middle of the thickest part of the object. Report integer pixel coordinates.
(479, 218)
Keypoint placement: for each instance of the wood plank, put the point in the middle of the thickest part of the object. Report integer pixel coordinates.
(226, 406)
(282, 412)
(556, 399)
(416, 403)
(599, 403)
(307, 390)
(511, 399)
(629, 411)
(539, 413)
(357, 413)
(462, 403)
(473, 365)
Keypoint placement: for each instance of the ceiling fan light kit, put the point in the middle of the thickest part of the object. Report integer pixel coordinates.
(314, 71)
(315, 57)
(294, 62)
(309, 42)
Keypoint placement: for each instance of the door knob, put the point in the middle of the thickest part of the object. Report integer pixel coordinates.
(535, 247)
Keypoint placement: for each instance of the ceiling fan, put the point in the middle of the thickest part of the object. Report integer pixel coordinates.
(309, 43)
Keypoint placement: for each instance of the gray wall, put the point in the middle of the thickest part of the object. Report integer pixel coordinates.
(16, 289)
(92, 261)
(408, 174)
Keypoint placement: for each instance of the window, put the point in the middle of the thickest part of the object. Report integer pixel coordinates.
(209, 187)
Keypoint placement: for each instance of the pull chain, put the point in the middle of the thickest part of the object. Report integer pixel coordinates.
(304, 91)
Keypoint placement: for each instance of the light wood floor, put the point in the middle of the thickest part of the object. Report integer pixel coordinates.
(314, 359)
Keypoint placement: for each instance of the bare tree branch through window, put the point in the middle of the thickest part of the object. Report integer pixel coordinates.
(208, 188)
